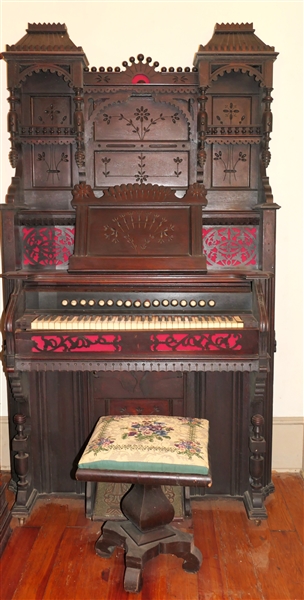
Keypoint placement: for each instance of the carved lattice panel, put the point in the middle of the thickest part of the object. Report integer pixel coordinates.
(231, 166)
(224, 246)
(52, 166)
(230, 246)
(141, 120)
(232, 111)
(169, 168)
(51, 111)
(47, 246)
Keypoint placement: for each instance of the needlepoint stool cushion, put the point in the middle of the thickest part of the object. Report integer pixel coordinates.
(148, 443)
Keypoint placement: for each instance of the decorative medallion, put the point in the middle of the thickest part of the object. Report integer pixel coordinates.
(231, 247)
(231, 113)
(47, 246)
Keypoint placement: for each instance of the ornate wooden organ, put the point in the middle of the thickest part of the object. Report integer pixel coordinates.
(139, 254)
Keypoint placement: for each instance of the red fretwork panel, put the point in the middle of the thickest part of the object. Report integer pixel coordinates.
(224, 246)
(158, 342)
(181, 342)
(231, 246)
(74, 343)
(47, 246)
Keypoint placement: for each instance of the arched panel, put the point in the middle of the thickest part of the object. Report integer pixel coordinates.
(139, 140)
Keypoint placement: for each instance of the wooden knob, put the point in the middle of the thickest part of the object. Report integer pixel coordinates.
(257, 420)
(19, 419)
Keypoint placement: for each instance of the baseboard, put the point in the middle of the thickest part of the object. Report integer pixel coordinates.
(5, 463)
(287, 452)
(288, 444)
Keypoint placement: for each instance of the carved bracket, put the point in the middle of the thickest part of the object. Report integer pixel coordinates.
(17, 390)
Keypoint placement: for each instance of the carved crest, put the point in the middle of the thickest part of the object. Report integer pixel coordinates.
(138, 192)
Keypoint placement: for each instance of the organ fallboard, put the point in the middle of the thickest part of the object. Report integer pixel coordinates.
(139, 254)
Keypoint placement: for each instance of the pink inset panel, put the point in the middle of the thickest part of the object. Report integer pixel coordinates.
(47, 246)
(230, 246)
(75, 343)
(187, 342)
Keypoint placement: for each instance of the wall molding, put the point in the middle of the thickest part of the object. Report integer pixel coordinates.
(288, 444)
(5, 464)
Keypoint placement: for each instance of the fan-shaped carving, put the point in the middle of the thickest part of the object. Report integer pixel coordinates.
(197, 190)
(136, 69)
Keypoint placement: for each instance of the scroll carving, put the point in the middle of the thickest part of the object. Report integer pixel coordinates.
(13, 125)
(267, 128)
(202, 128)
(79, 129)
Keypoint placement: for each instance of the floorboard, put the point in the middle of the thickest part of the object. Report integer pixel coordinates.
(292, 488)
(52, 557)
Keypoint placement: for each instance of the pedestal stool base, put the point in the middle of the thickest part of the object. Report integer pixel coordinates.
(177, 542)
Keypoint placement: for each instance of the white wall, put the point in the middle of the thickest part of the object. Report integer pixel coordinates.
(170, 32)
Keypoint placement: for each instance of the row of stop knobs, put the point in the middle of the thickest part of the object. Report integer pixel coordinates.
(138, 303)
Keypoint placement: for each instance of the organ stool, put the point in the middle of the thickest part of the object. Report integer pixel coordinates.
(147, 451)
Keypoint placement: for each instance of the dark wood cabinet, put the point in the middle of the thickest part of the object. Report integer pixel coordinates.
(139, 254)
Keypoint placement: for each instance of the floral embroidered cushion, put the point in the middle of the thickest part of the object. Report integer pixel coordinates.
(148, 443)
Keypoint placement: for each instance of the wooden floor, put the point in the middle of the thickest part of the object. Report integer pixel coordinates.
(52, 555)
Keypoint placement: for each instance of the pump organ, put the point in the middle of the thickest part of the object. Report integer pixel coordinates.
(120, 297)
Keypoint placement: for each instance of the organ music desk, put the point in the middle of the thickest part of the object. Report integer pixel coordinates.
(139, 254)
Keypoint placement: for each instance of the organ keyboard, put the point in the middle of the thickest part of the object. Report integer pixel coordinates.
(138, 254)
(135, 323)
